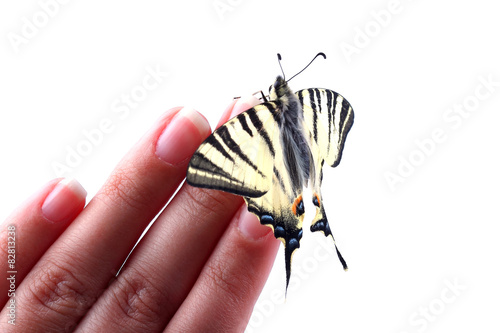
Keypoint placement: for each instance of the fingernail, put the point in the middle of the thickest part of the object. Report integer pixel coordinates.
(250, 226)
(182, 136)
(227, 113)
(244, 104)
(66, 199)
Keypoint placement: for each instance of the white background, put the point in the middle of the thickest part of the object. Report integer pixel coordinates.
(405, 244)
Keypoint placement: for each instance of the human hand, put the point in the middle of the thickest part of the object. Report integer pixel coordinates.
(200, 267)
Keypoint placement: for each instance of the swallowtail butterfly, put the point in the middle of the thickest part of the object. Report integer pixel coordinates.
(270, 152)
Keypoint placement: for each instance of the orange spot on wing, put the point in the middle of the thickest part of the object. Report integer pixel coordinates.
(317, 198)
(295, 203)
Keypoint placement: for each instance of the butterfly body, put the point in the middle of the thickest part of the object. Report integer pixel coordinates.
(297, 153)
(268, 154)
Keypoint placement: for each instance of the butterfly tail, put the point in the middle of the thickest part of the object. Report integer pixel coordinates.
(288, 265)
(328, 232)
(292, 243)
(342, 261)
(320, 223)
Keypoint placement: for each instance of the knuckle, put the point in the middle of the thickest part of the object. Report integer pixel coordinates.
(59, 291)
(221, 280)
(212, 203)
(122, 188)
(138, 299)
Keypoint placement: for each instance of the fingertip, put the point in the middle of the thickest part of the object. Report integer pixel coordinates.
(238, 106)
(249, 225)
(198, 120)
(182, 136)
(244, 104)
(227, 113)
(65, 201)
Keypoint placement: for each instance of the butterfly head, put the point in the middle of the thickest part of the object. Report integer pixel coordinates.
(279, 89)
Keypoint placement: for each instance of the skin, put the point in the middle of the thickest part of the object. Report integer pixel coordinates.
(199, 268)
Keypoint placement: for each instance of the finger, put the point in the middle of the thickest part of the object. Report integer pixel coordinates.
(227, 113)
(166, 263)
(78, 267)
(34, 226)
(236, 107)
(225, 293)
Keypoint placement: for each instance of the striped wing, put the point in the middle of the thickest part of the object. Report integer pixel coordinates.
(245, 157)
(238, 156)
(282, 207)
(328, 118)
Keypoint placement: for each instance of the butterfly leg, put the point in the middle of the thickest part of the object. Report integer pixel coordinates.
(320, 223)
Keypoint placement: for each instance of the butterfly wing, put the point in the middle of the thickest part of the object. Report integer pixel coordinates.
(281, 208)
(328, 117)
(238, 156)
(245, 157)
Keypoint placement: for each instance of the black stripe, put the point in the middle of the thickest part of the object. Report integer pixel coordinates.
(334, 109)
(255, 120)
(253, 209)
(347, 126)
(212, 140)
(300, 94)
(318, 97)
(343, 113)
(226, 136)
(231, 188)
(264, 134)
(311, 98)
(315, 126)
(315, 116)
(243, 121)
(329, 110)
(224, 178)
(280, 179)
(262, 131)
(228, 184)
(209, 166)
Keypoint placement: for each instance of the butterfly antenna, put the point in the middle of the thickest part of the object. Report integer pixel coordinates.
(317, 55)
(279, 62)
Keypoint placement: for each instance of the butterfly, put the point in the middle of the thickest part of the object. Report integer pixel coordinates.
(269, 153)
